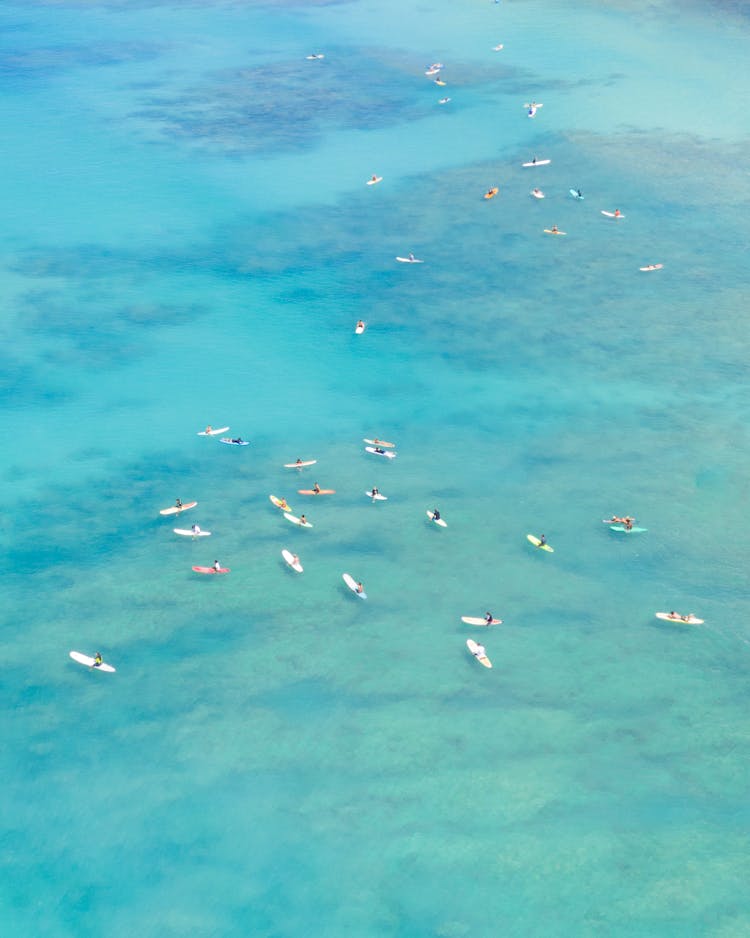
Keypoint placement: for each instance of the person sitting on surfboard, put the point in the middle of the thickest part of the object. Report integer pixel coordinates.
(238, 440)
(97, 661)
(617, 213)
(411, 257)
(488, 618)
(379, 450)
(208, 430)
(542, 541)
(360, 324)
(554, 229)
(374, 492)
(178, 503)
(479, 651)
(374, 178)
(302, 519)
(217, 566)
(295, 559)
(298, 461)
(435, 514)
(579, 193)
(360, 588)
(283, 505)
(316, 489)
(195, 529)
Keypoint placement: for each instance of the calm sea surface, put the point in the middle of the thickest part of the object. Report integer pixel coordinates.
(187, 239)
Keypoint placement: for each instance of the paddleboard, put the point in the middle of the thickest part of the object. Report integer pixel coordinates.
(574, 193)
(409, 260)
(443, 100)
(352, 584)
(300, 465)
(612, 214)
(533, 104)
(537, 543)
(537, 193)
(360, 328)
(295, 520)
(211, 570)
(613, 521)
(688, 620)
(186, 532)
(652, 267)
(229, 442)
(89, 662)
(475, 620)
(432, 71)
(213, 432)
(381, 443)
(537, 163)
(481, 658)
(280, 503)
(439, 521)
(440, 82)
(497, 48)
(491, 193)
(320, 492)
(621, 527)
(176, 509)
(388, 454)
(550, 231)
(289, 557)
(315, 55)
(375, 181)
(377, 497)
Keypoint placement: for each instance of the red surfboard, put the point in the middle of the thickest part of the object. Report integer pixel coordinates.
(211, 570)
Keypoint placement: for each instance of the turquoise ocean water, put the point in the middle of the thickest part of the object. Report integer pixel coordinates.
(186, 239)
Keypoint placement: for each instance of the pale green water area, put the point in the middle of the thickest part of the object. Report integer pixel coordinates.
(187, 239)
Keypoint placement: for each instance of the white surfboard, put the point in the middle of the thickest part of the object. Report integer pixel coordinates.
(612, 214)
(289, 558)
(535, 104)
(480, 656)
(431, 516)
(444, 101)
(186, 532)
(314, 56)
(352, 584)
(537, 193)
(300, 465)
(89, 662)
(374, 181)
(475, 620)
(381, 443)
(295, 520)
(652, 267)
(553, 232)
(682, 620)
(377, 497)
(213, 432)
(409, 260)
(537, 163)
(388, 453)
(498, 48)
